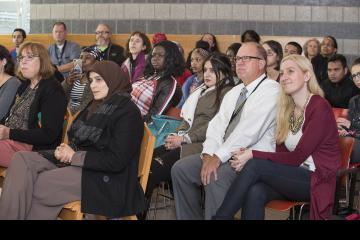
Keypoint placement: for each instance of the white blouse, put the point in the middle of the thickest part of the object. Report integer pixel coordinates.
(291, 143)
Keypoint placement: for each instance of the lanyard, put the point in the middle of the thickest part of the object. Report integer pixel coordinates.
(59, 58)
(235, 113)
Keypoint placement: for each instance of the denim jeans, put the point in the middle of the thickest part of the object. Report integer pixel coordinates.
(261, 181)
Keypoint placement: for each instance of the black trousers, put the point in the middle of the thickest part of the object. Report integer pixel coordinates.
(160, 170)
(259, 182)
(355, 155)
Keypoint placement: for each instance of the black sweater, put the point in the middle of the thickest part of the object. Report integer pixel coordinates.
(339, 94)
(50, 101)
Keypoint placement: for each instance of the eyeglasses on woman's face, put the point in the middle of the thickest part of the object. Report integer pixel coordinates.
(356, 76)
(30, 57)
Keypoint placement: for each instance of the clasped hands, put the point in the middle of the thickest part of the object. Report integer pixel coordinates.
(211, 163)
(239, 158)
(173, 141)
(64, 153)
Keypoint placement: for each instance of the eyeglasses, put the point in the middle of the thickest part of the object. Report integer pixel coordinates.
(102, 32)
(246, 58)
(27, 58)
(356, 76)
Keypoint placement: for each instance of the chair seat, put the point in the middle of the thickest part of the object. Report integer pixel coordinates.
(73, 206)
(283, 205)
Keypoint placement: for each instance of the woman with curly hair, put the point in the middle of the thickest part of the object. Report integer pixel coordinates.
(158, 89)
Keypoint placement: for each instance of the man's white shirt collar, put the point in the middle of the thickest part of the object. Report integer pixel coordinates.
(250, 88)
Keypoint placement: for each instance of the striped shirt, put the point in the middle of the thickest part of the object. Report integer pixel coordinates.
(77, 93)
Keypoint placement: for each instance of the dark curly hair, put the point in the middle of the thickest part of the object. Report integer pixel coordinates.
(174, 61)
(221, 65)
(9, 66)
(145, 39)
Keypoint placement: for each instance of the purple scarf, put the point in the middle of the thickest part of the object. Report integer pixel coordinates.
(140, 62)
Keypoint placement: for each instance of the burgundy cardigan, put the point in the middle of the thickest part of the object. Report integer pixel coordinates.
(320, 139)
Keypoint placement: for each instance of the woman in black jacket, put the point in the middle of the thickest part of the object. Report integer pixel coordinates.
(101, 160)
(36, 118)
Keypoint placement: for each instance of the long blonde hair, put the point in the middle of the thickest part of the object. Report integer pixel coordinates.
(285, 101)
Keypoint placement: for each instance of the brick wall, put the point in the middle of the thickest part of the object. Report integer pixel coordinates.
(277, 17)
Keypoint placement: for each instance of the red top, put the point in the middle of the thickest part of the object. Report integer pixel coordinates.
(181, 79)
(320, 139)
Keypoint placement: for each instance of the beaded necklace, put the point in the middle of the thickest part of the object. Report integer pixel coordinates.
(296, 122)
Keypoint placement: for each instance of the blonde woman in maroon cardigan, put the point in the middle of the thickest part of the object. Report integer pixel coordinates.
(307, 156)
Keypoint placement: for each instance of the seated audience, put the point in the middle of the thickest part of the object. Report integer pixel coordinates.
(187, 73)
(211, 39)
(36, 119)
(137, 50)
(274, 56)
(198, 56)
(351, 127)
(307, 156)
(77, 86)
(199, 44)
(8, 82)
(97, 167)
(246, 117)
(231, 53)
(292, 48)
(158, 90)
(311, 48)
(63, 52)
(158, 37)
(198, 110)
(250, 36)
(109, 50)
(328, 48)
(18, 37)
(338, 88)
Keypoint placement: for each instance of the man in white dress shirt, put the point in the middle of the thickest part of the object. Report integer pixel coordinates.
(246, 118)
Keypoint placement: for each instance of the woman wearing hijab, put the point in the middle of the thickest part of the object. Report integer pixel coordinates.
(98, 167)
